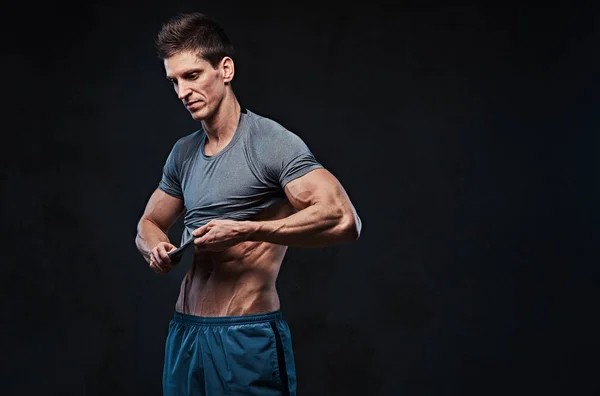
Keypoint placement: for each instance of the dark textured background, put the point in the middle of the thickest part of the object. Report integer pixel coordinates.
(466, 137)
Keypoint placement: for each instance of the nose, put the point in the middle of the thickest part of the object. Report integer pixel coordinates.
(183, 91)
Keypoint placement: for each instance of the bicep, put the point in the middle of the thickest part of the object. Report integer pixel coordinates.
(163, 209)
(316, 187)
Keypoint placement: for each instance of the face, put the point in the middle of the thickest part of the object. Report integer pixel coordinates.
(197, 83)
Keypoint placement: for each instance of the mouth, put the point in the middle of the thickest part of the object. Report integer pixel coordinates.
(191, 104)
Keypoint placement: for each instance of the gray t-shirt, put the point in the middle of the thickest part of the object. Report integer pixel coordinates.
(241, 180)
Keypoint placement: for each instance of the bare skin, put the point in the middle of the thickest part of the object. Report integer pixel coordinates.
(236, 263)
(237, 281)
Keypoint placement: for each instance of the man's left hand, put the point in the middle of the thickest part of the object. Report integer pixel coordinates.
(218, 235)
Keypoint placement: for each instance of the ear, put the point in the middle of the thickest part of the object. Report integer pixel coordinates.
(227, 69)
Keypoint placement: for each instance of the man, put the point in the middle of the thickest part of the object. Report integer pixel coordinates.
(248, 188)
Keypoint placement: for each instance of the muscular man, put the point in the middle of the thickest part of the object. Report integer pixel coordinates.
(248, 188)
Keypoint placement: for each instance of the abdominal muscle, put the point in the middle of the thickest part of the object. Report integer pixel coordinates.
(237, 281)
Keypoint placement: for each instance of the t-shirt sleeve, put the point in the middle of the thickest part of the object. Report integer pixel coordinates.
(171, 180)
(286, 157)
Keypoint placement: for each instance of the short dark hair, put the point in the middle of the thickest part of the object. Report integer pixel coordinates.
(194, 32)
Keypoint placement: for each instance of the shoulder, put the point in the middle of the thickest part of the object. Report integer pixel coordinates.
(187, 144)
(273, 145)
(268, 131)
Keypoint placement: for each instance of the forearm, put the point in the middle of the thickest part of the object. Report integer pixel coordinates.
(315, 226)
(148, 236)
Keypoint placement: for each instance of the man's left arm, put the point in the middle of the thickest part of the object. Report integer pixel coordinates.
(325, 214)
(325, 217)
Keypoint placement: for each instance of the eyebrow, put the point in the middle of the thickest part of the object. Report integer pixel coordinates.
(187, 72)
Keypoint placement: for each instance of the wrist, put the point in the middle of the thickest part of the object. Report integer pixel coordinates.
(250, 230)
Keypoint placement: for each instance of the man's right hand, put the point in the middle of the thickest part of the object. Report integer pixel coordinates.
(160, 262)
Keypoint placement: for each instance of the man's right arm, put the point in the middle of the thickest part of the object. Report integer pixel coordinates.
(152, 238)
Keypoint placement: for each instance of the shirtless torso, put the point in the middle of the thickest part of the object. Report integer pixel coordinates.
(237, 281)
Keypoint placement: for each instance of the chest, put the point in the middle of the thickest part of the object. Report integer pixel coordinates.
(226, 182)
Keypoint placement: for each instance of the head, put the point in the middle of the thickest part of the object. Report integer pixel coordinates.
(198, 59)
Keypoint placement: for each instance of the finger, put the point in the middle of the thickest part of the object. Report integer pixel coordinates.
(204, 240)
(203, 230)
(152, 262)
(199, 240)
(163, 255)
(156, 255)
(199, 231)
(158, 269)
(169, 248)
(156, 262)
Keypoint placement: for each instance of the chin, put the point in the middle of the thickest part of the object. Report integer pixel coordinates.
(200, 114)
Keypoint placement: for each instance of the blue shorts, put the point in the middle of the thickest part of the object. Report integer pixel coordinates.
(229, 355)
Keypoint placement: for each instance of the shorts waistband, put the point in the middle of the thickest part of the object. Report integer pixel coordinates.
(182, 318)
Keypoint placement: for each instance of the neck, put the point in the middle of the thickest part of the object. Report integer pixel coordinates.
(223, 123)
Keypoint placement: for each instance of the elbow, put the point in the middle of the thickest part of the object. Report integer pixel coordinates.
(138, 243)
(351, 227)
(139, 235)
